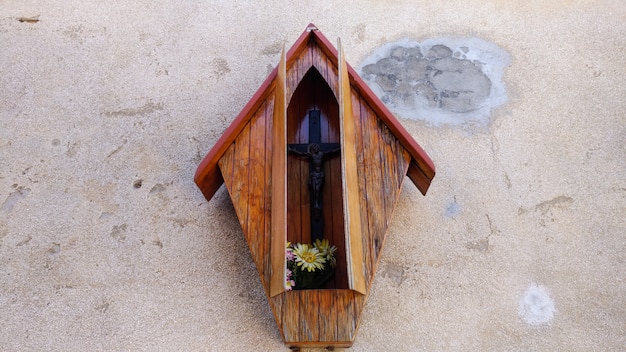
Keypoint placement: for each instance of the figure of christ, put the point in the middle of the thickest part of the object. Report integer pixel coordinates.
(316, 172)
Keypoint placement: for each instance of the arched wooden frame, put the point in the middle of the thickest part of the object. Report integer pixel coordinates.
(314, 94)
(352, 254)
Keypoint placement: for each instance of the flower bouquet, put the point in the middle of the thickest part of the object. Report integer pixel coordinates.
(309, 266)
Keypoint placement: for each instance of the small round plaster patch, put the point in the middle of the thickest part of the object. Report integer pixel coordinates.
(441, 81)
(536, 307)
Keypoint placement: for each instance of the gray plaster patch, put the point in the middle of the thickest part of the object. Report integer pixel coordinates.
(441, 81)
(395, 272)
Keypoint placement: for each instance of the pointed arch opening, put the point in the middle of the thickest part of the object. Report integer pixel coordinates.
(313, 118)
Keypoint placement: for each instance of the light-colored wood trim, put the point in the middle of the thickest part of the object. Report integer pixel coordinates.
(278, 231)
(350, 182)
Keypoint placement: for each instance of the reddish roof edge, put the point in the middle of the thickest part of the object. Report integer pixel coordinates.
(208, 176)
(421, 160)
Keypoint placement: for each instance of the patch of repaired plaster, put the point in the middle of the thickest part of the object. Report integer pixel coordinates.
(536, 307)
(395, 272)
(441, 81)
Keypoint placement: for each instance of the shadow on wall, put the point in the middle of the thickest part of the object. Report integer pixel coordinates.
(440, 81)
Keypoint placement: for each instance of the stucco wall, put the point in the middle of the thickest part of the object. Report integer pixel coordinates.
(106, 108)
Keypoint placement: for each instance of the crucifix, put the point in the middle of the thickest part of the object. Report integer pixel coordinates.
(317, 152)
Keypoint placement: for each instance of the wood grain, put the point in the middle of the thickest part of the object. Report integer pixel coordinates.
(279, 184)
(351, 207)
(241, 171)
(267, 208)
(257, 189)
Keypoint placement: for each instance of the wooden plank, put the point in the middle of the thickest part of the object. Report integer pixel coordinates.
(294, 172)
(327, 69)
(318, 60)
(365, 164)
(328, 315)
(338, 216)
(376, 170)
(325, 66)
(257, 187)
(333, 120)
(391, 153)
(226, 167)
(358, 303)
(395, 154)
(309, 315)
(346, 315)
(319, 345)
(328, 190)
(267, 268)
(291, 80)
(388, 164)
(332, 77)
(291, 317)
(241, 172)
(305, 104)
(304, 61)
(375, 187)
(297, 71)
(279, 184)
(277, 303)
(331, 315)
(351, 206)
(392, 200)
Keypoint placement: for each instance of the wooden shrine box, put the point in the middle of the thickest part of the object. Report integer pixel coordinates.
(314, 94)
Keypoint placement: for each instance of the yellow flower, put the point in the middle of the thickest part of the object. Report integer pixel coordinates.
(308, 257)
(327, 251)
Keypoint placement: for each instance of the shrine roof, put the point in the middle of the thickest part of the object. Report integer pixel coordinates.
(421, 170)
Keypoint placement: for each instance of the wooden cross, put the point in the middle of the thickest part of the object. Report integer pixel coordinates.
(316, 151)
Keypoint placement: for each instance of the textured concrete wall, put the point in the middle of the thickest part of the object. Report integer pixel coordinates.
(106, 108)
